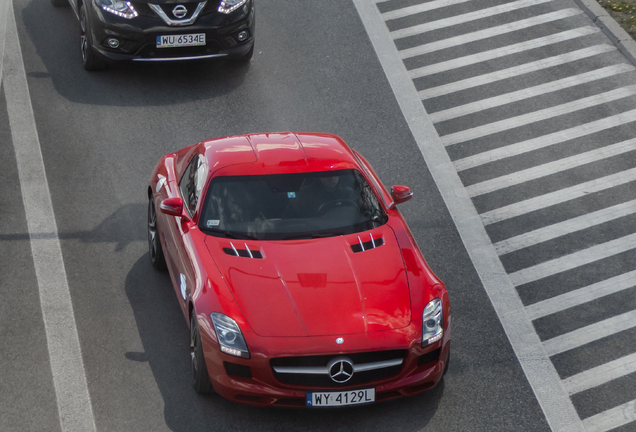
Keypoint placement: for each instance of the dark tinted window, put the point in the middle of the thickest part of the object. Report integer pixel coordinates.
(289, 206)
(192, 183)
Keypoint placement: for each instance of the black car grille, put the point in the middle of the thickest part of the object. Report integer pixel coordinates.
(150, 51)
(324, 381)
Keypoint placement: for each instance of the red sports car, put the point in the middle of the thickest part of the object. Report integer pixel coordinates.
(300, 281)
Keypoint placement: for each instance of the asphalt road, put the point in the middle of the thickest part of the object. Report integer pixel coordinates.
(314, 69)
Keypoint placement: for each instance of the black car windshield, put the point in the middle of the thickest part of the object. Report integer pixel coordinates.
(290, 206)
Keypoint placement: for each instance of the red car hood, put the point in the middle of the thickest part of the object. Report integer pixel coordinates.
(317, 287)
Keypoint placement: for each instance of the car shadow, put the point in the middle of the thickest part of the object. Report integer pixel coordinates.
(54, 33)
(165, 336)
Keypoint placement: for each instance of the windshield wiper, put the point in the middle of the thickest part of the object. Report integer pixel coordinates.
(231, 234)
(312, 236)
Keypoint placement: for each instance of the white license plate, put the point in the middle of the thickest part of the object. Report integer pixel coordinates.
(341, 398)
(186, 40)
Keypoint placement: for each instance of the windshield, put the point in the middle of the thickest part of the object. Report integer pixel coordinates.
(291, 206)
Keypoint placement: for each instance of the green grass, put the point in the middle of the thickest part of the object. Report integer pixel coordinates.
(624, 12)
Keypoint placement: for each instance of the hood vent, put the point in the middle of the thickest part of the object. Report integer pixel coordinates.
(245, 253)
(369, 244)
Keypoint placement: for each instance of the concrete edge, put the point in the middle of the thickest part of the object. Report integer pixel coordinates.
(619, 37)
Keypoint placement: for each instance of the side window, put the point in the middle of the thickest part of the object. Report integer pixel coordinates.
(192, 182)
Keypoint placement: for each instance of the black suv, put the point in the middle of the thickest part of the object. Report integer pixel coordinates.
(164, 30)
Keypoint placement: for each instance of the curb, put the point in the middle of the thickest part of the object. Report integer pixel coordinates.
(619, 37)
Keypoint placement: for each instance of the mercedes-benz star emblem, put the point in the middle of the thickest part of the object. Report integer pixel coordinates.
(339, 341)
(340, 369)
(179, 11)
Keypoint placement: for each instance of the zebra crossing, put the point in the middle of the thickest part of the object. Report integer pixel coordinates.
(536, 110)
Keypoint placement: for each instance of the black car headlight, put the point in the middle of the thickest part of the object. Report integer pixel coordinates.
(123, 9)
(432, 322)
(229, 6)
(229, 335)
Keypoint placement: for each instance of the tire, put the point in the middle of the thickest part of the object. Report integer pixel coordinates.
(200, 378)
(59, 3)
(245, 57)
(155, 249)
(91, 60)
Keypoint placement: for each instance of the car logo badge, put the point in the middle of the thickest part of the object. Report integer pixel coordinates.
(180, 11)
(340, 369)
(340, 341)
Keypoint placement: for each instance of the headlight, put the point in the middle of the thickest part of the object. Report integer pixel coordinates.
(120, 8)
(229, 6)
(229, 334)
(432, 322)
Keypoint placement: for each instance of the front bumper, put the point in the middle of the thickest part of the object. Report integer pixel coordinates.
(137, 37)
(253, 381)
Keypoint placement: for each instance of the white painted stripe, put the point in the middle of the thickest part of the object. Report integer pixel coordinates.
(424, 7)
(611, 419)
(530, 92)
(566, 227)
(69, 380)
(464, 18)
(537, 116)
(488, 33)
(581, 296)
(544, 141)
(590, 333)
(515, 71)
(4, 8)
(601, 374)
(574, 260)
(558, 197)
(540, 372)
(550, 168)
(502, 52)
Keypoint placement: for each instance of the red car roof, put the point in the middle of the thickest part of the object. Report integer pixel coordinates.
(275, 153)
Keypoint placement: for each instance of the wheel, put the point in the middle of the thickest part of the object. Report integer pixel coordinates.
(59, 3)
(157, 257)
(90, 59)
(200, 378)
(326, 206)
(245, 57)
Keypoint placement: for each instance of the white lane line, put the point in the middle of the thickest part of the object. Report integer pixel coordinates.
(574, 260)
(464, 18)
(558, 197)
(566, 227)
(601, 374)
(67, 367)
(424, 7)
(540, 372)
(530, 92)
(581, 296)
(550, 168)
(4, 17)
(611, 419)
(544, 141)
(502, 52)
(590, 333)
(488, 33)
(515, 71)
(537, 116)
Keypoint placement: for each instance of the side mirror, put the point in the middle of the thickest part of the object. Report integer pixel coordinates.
(401, 194)
(172, 206)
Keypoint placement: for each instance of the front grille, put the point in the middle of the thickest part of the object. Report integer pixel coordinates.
(324, 381)
(429, 357)
(150, 51)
